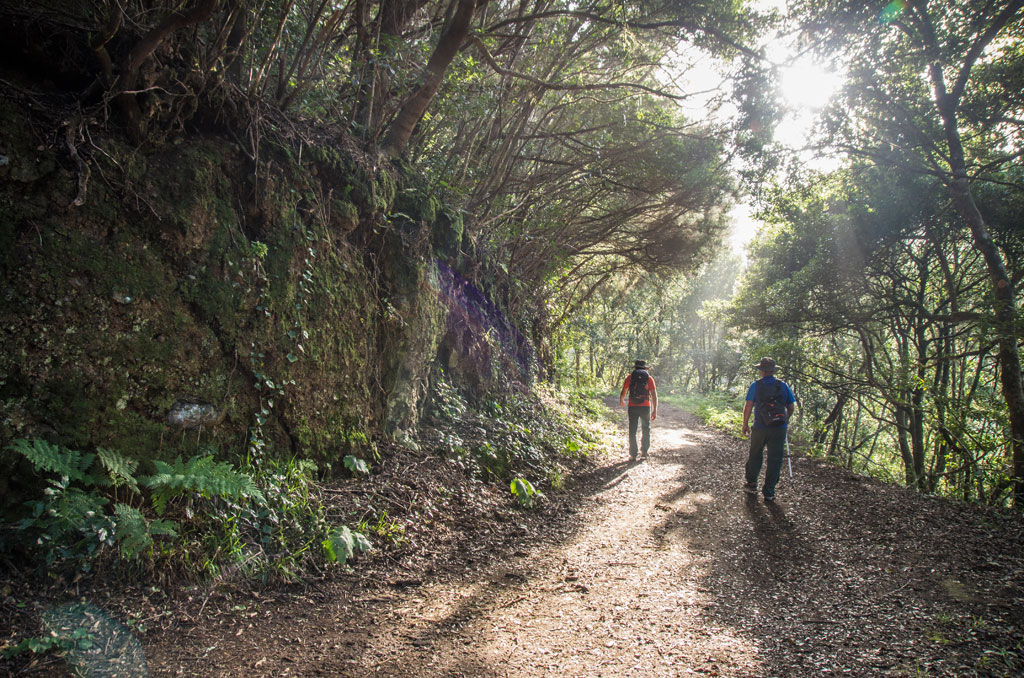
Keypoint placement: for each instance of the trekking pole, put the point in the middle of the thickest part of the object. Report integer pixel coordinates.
(789, 461)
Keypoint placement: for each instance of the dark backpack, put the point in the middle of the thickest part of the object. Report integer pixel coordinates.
(770, 404)
(638, 387)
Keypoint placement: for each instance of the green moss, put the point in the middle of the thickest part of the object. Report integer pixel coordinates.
(332, 439)
(448, 231)
(345, 214)
(119, 308)
(377, 190)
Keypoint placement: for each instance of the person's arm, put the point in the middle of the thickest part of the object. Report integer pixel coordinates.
(622, 395)
(654, 404)
(747, 407)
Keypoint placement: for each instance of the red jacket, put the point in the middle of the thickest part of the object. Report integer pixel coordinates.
(650, 387)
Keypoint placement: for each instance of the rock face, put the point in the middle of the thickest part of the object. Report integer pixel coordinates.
(193, 415)
(181, 294)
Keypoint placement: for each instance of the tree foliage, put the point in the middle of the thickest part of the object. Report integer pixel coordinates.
(678, 323)
(551, 127)
(880, 314)
(923, 99)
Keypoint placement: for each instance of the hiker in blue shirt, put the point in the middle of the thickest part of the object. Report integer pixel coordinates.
(772, 403)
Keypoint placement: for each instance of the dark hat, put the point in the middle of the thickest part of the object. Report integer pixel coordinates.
(766, 365)
(640, 365)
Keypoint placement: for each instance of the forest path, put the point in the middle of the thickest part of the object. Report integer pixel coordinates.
(670, 569)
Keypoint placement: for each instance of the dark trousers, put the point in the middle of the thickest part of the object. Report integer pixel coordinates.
(775, 440)
(642, 415)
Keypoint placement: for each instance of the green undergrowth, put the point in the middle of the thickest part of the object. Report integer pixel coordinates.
(721, 410)
(526, 441)
(264, 518)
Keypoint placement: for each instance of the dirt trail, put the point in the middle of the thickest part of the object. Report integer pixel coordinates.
(667, 568)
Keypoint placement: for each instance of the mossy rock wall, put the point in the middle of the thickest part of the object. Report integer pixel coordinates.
(196, 298)
(152, 320)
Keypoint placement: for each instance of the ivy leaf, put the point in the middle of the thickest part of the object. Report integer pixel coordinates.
(355, 464)
(339, 545)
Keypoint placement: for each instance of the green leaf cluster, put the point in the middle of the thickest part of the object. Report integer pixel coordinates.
(356, 465)
(524, 492)
(267, 517)
(342, 544)
(202, 475)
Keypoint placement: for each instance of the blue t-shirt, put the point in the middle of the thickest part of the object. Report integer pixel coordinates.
(768, 382)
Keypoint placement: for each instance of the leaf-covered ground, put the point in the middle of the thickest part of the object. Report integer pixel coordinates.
(663, 567)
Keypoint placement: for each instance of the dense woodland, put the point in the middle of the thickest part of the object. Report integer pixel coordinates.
(886, 286)
(538, 168)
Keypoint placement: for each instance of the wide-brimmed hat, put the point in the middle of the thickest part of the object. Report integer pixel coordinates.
(640, 364)
(766, 365)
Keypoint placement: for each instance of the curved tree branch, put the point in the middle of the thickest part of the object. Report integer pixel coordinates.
(554, 86)
(447, 47)
(128, 81)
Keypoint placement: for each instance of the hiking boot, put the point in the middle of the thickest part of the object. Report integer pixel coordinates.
(769, 499)
(750, 487)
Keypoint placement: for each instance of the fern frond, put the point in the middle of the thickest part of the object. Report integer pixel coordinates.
(131, 531)
(135, 534)
(167, 528)
(70, 464)
(120, 468)
(202, 475)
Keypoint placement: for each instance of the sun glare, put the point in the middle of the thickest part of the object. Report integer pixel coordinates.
(805, 88)
(808, 86)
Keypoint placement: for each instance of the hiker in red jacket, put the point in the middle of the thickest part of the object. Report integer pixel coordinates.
(643, 405)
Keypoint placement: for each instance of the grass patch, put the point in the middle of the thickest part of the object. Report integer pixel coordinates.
(723, 411)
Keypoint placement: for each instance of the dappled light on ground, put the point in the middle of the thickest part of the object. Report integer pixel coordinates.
(624, 595)
(662, 567)
(668, 439)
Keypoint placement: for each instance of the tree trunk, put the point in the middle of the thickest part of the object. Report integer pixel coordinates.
(447, 47)
(576, 351)
(236, 37)
(947, 102)
(834, 444)
(831, 418)
(902, 427)
(917, 437)
(1002, 291)
(144, 49)
(392, 18)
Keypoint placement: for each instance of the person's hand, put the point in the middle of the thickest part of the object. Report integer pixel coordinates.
(746, 429)
(654, 415)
